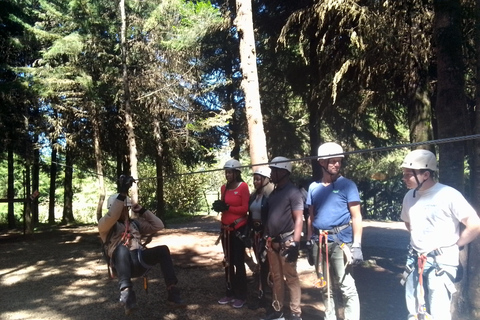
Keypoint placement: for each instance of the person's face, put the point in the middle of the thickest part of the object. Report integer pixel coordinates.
(277, 175)
(258, 181)
(230, 175)
(332, 165)
(408, 176)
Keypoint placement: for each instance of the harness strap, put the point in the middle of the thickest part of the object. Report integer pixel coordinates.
(283, 237)
(422, 309)
(232, 226)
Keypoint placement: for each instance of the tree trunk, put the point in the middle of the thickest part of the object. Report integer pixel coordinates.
(159, 197)
(53, 178)
(35, 180)
(98, 163)
(132, 146)
(473, 290)
(420, 117)
(10, 188)
(450, 111)
(157, 133)
(314, 105)
(67, 216)
(27, 210)
(249, 83)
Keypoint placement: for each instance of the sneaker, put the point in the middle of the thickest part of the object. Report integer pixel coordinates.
(275, 315)
(128, 299)
(174, 297)
(237, 303)
(295, 316)
(226, 300)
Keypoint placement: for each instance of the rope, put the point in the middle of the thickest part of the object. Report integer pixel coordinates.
(309, 158)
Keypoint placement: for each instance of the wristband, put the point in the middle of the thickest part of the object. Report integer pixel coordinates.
(142, 211)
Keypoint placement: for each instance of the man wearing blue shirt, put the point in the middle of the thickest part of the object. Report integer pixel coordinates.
(335, 216)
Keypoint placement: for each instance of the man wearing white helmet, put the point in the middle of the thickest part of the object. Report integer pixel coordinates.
(283, 232)
(335, 228)
(121, 238)
(433, 214)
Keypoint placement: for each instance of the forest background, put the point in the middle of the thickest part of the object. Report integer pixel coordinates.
(90, 89)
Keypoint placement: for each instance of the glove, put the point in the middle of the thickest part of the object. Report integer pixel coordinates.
(220, 206)
(291, 253)
(124, 183)
(138, 209)
(310, 258)
(357, 255)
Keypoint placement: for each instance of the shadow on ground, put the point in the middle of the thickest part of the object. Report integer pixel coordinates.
(60, 274)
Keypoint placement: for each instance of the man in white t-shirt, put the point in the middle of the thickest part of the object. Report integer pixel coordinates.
(433, 214)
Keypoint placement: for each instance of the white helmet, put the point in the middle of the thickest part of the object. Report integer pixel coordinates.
(113, 197)
(232, 164)
(330, 150)
(283, 164)
(263, 171)
(420, 159)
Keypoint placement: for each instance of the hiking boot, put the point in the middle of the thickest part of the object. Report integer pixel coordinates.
(226, 300)
(275, 315)
(174, 297)
(128, 299)
(237, 303)
(296, 316)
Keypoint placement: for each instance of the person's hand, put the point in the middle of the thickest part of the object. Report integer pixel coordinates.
(291, 252)
(357, 255)
(220, 206)
(136, 208)
(124, 183)
(310, 258)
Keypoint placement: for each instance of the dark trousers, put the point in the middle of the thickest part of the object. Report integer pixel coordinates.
(235, 272)
(128, 266)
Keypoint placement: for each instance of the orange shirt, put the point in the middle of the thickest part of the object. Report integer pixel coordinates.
(237, 199)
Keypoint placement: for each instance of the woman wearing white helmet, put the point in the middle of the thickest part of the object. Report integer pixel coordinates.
(257, 218)
(433, 214)
(234, 207)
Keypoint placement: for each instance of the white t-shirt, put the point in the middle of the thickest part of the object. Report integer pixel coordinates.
(434, 216)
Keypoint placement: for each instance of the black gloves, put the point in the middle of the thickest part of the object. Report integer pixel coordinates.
(125, 183)
(220, 206)
(310, 257)
(357, 255)
(291, 252)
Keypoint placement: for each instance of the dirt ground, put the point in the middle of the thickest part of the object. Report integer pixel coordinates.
(60, 274)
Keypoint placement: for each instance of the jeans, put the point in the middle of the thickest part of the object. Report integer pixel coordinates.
(281, 270)
(341, 279)
(127, 264)
(235, 272)
(436, 294)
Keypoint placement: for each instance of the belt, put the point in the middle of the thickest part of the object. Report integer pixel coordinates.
(232, 225)
(283, 237)
(336, 230)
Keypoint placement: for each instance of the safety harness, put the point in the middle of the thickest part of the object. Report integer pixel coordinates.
(420, 264)
(125, 240)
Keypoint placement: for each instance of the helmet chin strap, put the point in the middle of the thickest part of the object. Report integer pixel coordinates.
(419, 184)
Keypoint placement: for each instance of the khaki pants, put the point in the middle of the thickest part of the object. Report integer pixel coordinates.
(284, 272)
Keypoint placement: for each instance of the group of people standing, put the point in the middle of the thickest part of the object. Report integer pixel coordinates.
(270, 220)
(273, 217)
(438, 217)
